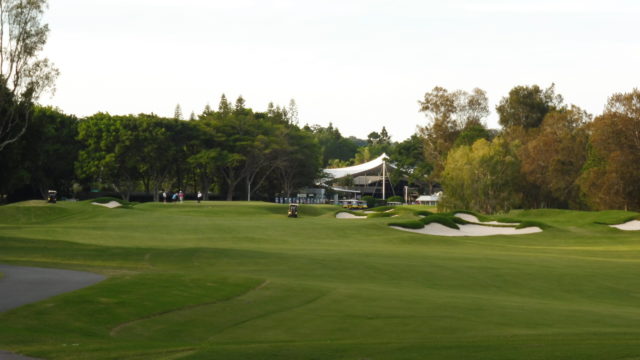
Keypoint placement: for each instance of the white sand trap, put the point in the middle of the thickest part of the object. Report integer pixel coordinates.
(470, 230)
(471, 218)
(369, 212)
(632, 225)
(110, 204)
(346, 215)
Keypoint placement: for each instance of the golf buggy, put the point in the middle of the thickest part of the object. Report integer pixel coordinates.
(52, 196)
(293, 210)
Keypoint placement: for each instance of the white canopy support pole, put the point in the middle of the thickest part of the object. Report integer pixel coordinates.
(384, 181)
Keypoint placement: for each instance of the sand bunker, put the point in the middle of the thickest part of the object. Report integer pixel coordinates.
(632, 225)
(110, 204)
(473, 219)
(346, 215)
(470, 230)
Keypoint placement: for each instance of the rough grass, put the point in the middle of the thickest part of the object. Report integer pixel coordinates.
(615, 221)
(239, 280)
(382, 208)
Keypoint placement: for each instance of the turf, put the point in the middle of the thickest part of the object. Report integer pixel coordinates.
(242, 281)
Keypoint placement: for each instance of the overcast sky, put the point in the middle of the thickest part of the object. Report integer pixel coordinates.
(359, 64)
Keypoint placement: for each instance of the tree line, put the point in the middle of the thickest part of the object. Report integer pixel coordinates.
(547, 154)
(233, 151)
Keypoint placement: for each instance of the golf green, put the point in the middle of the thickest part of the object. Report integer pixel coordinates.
(232, 280)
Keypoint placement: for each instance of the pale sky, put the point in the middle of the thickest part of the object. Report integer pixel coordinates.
(360, 64)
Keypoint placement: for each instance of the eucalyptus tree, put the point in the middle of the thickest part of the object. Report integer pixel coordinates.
(24, 74)
(448, 114)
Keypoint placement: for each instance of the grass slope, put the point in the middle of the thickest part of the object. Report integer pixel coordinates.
(242, 281)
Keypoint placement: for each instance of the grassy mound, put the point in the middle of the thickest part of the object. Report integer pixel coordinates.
(447, 220)
(443, 219)
(31, 213)
(617, 220)
(381, 214)
(408, 224)
(423, 213)
(532, 223)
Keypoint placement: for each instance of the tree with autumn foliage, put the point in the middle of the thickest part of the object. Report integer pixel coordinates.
(611, 177)
(553, 159)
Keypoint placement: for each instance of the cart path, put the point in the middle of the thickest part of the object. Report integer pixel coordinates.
(4, 355)
(21, 285)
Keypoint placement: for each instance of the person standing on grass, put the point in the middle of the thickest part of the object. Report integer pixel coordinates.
(181, 196)
(175, 197)
(164, 196)
(199, 197)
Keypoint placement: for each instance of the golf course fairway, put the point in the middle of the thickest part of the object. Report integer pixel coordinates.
(240, 280)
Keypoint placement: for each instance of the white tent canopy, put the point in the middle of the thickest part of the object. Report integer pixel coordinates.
(376, 166)
(368, 167)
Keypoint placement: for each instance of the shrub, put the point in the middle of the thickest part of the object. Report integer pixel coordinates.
(395, 199)
(371, 201)
(380, 202)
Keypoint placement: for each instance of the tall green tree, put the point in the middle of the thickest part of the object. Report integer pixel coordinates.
(298, 161)
(110, 152)
(332, 144)
(177, 112)
(484, 177)
(526, 106)
(410, 163)
(43, 157)
(156, 151)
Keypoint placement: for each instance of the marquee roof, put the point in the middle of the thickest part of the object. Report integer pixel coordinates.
(368, 167)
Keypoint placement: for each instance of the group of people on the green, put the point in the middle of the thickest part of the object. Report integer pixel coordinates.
(178, 196)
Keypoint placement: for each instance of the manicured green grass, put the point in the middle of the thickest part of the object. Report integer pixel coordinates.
(223, 280)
